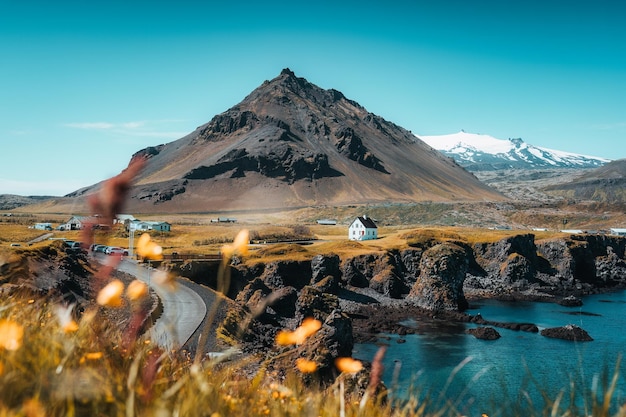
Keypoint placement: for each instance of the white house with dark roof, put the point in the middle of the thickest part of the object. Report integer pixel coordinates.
(363, 228)
(82, 222)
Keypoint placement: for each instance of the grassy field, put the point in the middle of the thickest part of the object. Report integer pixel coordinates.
(48, 368)
(92, 368)
(270, 236)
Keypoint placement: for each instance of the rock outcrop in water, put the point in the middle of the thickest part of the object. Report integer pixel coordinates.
(568, 332)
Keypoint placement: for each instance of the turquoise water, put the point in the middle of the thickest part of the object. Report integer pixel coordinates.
(481, 376)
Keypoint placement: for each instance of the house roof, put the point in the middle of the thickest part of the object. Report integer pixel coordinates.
(367, 222)
(125, 217)
(83, 219)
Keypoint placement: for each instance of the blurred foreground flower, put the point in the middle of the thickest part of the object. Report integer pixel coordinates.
(239, 245)
(11, 334)
(111, 295)
(64, 315)
(308, 327)
(164, 279)
(348, 365)
(148, 249)
(91, 356)
(136, 290)
(110, 199)
(306, 366)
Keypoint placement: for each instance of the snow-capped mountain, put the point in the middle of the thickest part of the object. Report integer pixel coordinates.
(477, 152)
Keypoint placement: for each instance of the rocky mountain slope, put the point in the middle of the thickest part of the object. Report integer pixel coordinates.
(12, 201)
(290, 143)
(478, 152)
(605, 184)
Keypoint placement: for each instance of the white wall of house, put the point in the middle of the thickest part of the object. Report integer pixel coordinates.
(155, 226)
(358, 231)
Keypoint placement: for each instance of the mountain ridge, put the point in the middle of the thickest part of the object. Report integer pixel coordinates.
(479, 152)
(290, 143)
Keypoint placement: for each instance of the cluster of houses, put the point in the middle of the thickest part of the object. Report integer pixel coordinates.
(128, 220)
(362, 228)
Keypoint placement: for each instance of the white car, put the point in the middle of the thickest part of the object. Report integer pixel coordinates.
(114, 250)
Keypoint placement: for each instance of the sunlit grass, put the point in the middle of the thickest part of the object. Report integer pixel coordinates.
(87, 372)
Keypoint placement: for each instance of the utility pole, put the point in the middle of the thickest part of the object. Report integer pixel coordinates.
(131, 241)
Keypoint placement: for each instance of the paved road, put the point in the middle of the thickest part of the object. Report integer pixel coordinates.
(39, 239)
(183, 309)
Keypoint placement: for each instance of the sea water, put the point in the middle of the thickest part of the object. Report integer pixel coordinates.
(518, 370)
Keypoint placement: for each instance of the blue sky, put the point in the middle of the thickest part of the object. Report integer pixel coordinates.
(84, 85)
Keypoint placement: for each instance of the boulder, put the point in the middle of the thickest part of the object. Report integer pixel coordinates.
(314, 303)
(440, 284)
(571, 301)
(484, 333)
(388, 283)
(323, 266)
(328, 284)
(283, 301)
(567, 332)
(280, 274)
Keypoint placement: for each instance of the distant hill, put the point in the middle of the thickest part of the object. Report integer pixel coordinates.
(290, 143)
(606, 184)
(478, 152)
(12, 201)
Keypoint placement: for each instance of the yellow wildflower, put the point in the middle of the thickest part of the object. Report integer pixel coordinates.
(163, 279)
(111, 295)
(33, 408)
(136, 290)
(239, 245)
(306, 366)
(64, 315)
(11, 335)
(348, 365)
(148, 249)
(308, 327)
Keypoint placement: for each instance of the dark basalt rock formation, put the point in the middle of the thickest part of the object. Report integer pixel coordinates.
(484, 333)
(568, 332)
(571, 301)
(323, 266)
(283, 163)
(440, 284)
(377, 271)
(351, 145)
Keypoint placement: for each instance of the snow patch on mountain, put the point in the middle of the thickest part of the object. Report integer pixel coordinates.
(478, 152)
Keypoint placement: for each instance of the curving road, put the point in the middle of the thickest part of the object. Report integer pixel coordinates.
(183, 309)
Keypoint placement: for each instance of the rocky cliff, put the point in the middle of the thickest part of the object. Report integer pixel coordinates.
(440, 275)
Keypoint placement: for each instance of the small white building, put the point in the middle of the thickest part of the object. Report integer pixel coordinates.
(143, 226)
(363, 228)
(124, 218)
(81, 222)
(43, 226)
(618, 231)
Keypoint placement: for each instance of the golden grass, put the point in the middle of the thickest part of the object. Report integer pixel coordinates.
(50, 371)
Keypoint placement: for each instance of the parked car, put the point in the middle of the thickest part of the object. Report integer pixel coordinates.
(114, 250)
(74, 245)
(100, 248)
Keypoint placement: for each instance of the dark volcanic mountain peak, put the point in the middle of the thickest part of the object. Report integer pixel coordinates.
(292, 143)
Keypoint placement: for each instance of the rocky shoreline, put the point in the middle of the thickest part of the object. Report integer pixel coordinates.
(426, 287)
